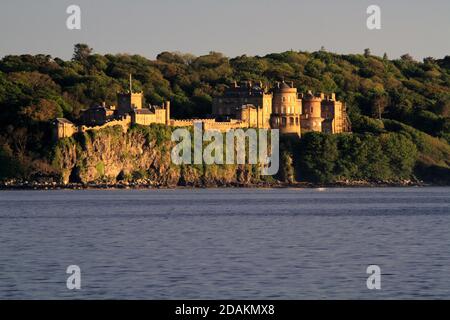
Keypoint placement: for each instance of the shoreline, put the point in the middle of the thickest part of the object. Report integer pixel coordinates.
(5, 186)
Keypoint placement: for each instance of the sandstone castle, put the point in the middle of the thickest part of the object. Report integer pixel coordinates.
(281, 108)
(247, 105)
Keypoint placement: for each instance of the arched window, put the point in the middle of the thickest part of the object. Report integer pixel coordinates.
(291, 121)
(283, 121)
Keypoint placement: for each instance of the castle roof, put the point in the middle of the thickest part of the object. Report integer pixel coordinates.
(244, 89)
(63, 120)
(284, 87)
(246, 106)
(98, 107)
(143, 111)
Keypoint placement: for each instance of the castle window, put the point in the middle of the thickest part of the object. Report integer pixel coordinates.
(291, 120)
(283, 121)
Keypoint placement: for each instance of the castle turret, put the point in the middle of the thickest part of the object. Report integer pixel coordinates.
(286, 109)
(312, 112)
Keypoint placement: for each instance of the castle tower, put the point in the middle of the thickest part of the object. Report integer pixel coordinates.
(333, 112)
(128, 101)
(246, 93)
(312, 112)
(286, 109)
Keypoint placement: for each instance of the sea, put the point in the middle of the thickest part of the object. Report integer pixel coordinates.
(226, 243)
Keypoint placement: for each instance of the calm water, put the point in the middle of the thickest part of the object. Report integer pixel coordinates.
(226, 243)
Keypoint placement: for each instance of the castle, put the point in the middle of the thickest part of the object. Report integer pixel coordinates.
(282, 108)
(247, 105)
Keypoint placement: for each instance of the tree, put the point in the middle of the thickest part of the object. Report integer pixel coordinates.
(379, 103)
(42, 111)
(407, 57)
(318, 154)
(401, 152)
(81, 52)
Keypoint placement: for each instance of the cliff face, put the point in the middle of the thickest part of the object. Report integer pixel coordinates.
(140, 155)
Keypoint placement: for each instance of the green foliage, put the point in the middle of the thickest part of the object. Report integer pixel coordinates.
(318, 153)
(157, 133)
(327, 158)
(9, 168)
(406, 94)
(100, 167)
(363, 124)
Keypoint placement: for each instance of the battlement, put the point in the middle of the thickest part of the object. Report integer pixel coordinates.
(247, 105)
(125, 123)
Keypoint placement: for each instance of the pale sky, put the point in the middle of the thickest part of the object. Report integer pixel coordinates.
(233, 27)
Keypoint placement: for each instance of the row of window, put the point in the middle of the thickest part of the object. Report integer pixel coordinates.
(286, 110)
(288, 99)
(284, 120)
(231, 110)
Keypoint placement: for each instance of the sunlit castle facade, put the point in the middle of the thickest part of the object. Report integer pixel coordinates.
(247, 105)
(283, 108)
(286, 109)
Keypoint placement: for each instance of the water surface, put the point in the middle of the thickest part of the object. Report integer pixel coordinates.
(226, 243)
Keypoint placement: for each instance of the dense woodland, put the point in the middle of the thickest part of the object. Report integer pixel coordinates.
(399, 109)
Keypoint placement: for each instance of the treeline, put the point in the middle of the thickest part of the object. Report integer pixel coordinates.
(35, 89)
(391, 152)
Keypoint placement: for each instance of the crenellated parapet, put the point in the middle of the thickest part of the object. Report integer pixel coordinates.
(245, 105)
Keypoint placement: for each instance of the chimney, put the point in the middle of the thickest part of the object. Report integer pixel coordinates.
(131, 84)
(167, 107)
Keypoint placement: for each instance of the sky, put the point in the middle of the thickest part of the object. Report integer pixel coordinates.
(233, 27)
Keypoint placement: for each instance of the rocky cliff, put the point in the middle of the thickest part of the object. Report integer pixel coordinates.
(140, 155)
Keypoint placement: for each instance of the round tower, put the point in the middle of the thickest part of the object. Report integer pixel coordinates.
(312, 112)
(286, 109)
